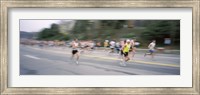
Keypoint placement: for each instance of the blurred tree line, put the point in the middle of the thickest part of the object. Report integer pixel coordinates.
(87, 30)
(142, 30)
(52, 33)
(161, 29)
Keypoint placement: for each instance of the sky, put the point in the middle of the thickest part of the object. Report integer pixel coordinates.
(36, 25)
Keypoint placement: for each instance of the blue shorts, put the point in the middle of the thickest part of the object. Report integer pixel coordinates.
(151, 51)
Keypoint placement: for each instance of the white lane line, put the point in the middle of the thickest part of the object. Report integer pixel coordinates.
(30, 56)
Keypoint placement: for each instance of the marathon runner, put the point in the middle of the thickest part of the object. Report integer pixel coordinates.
(132, 49)
(151, 49)
(75, 51)
(125, 50)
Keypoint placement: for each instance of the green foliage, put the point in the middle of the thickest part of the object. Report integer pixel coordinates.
(144, 31)
(52, 33)
(81, 26)
(113, 24)
(161, 29)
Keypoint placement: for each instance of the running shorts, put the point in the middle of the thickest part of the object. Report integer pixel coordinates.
(74, 51)
(151, 51)
(125, 54)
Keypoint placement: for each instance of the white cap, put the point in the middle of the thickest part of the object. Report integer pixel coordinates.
(127, 40)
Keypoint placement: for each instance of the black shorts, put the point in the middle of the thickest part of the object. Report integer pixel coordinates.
(86, 46)
(74, 51)
(125, 54)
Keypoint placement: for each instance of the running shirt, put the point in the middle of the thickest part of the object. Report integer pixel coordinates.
(75, 46)
(117, 45)
(112, 44)
(152, 46)
(105, 44)
(126, 47)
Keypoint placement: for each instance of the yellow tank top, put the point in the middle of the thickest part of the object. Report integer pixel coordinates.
(127, 48)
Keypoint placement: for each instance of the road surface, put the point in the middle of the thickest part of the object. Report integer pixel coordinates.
(56, 61)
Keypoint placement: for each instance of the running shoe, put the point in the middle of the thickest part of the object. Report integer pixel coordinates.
(77, 62)
(122, 63)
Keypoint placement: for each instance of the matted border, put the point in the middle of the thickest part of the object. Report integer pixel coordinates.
(6, 4)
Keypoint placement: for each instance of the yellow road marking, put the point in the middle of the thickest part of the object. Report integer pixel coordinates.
(143, 62)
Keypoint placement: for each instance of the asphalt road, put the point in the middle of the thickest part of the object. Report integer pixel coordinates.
(56, 61)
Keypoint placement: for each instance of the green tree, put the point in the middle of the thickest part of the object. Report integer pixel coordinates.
(51, 33)
(161, 29)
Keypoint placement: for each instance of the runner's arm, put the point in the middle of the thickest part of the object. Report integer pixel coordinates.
(123, 47)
